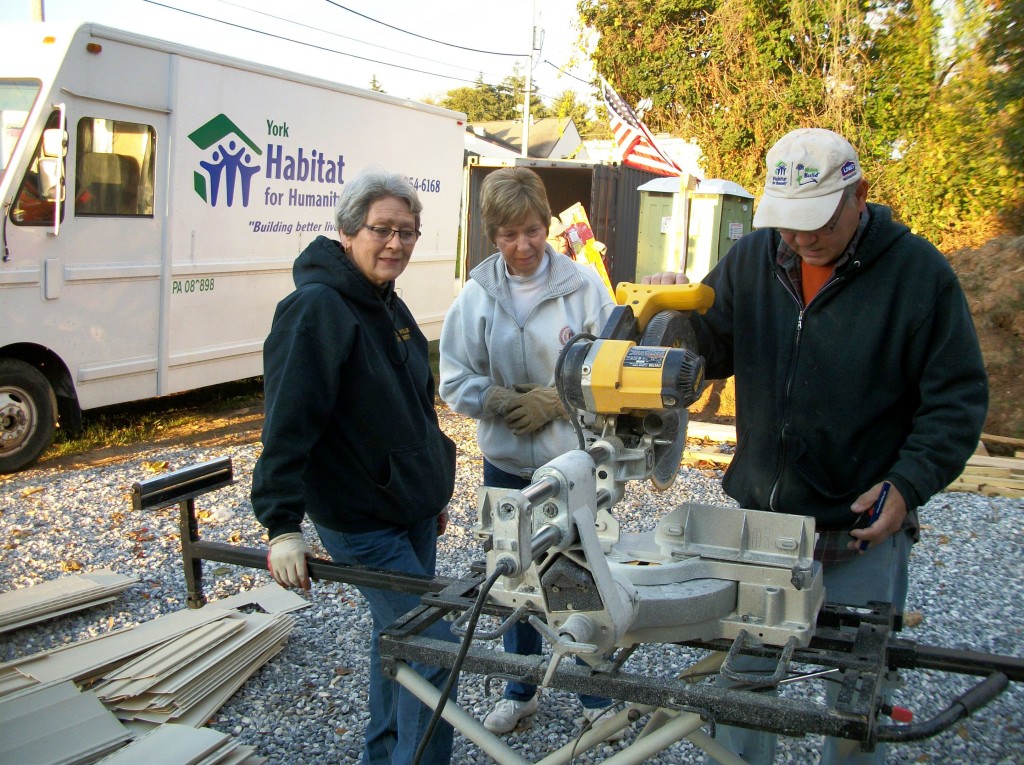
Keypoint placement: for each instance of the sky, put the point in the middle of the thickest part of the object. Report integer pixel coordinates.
(353, 41)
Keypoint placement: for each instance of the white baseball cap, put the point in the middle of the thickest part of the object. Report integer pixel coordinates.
(808, 170)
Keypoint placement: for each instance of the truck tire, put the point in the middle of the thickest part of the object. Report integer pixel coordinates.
(28, 417)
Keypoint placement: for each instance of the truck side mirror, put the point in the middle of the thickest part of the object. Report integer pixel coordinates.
(55, 142)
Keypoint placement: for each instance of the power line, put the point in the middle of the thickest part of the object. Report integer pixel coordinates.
(309, 45)
(343, 37)
(339, 52)
(568, 74)
(428, 39)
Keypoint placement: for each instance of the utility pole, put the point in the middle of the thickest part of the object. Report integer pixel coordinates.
(536, 39)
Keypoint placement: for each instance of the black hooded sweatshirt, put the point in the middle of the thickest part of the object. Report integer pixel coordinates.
(351, 437)
(878, 377)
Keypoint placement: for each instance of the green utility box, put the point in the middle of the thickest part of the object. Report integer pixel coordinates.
(720, 213)
(686, 226)
(661, 236)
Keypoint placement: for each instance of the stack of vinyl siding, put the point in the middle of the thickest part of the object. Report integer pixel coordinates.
(60, 724)
(187, 679)
(188, 746)
(57, 724)
(180, 667)
(28, 605)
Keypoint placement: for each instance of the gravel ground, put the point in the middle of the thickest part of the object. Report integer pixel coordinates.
(308, 704)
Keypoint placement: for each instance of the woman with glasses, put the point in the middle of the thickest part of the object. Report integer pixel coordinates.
(499, 344)
(345, 357)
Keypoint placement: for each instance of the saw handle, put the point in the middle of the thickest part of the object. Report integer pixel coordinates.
(647, 300)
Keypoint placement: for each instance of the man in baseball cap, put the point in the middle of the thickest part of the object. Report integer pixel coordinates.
(859, 381)
(814, 195)
(808, 171)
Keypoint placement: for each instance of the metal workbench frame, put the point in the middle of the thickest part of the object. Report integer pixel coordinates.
(859, 641)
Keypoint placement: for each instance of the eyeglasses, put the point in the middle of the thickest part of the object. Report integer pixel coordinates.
(384, 234)
(829, 227)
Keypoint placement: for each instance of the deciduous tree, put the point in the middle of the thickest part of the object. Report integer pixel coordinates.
(917, 97)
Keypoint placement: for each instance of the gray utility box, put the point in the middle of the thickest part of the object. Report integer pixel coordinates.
(689, 227)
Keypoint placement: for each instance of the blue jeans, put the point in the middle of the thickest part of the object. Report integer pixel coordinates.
(398, 719)
(879, 574)
(521, 638)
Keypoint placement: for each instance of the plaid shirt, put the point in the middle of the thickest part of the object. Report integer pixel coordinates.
(830, 546)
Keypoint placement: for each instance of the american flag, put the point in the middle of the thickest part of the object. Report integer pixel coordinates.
(634, 139)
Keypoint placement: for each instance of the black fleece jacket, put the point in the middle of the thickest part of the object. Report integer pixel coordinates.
(351, 437)
(879, 377)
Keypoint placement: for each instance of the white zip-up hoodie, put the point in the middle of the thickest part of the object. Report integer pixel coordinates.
(482, 345)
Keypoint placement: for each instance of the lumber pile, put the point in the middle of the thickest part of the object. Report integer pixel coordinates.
(992, 477)
(986, 475)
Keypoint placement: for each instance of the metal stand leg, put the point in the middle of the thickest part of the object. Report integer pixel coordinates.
(468, 726)
(685, 725)
(193, 566)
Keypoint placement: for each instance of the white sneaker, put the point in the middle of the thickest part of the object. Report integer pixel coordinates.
(598, 717)
(507, 713)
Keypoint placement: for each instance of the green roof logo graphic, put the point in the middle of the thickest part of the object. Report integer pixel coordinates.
(228, 164)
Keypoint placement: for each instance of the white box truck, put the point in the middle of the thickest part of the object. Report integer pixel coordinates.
(154, 198)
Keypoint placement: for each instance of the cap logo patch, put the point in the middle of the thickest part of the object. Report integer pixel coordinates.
(848, 169)
(780, 177)
(805, 175)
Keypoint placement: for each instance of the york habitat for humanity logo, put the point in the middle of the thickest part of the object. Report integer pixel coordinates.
(228, 164)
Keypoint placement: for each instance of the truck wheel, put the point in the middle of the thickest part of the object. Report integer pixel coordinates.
(27, 414)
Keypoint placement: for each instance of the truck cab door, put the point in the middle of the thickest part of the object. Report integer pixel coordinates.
(95, 301)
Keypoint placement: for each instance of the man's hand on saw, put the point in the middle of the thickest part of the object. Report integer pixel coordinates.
(287, 560)
(536, 407)
(665, 277)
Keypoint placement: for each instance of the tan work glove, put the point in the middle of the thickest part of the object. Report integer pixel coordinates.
(533, 409)
(287, 560)
(497, 400)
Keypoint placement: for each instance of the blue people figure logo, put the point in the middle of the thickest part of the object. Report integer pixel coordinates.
(229, 165)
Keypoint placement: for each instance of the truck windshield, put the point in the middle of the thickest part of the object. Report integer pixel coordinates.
(16, 99)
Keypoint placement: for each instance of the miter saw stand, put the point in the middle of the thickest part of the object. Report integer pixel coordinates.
(733, 581)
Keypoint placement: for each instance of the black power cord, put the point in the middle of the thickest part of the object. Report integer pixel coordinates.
(560, 386)
(501, 569)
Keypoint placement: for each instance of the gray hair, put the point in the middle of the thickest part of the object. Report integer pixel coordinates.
(365, 189)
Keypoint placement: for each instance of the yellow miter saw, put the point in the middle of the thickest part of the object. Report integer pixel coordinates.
(703, 572)
(641, 374)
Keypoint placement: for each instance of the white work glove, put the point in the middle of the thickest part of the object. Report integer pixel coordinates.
(287, 560)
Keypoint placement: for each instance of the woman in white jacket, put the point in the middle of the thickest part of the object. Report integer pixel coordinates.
(499, 345)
